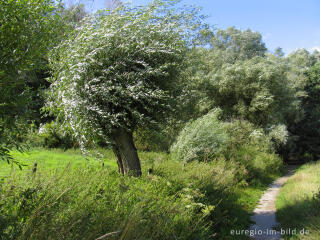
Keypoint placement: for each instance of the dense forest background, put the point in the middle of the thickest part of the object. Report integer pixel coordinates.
(157, 79)
(230, 70)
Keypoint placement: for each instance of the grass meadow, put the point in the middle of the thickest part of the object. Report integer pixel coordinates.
(73, 197)
(298, 204)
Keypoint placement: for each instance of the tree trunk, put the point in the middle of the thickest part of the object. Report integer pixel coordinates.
(126, 153)
(118, 156)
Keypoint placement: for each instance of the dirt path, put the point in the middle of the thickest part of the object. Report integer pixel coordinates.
(264, 214)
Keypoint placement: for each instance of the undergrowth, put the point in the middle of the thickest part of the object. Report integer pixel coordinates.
(196, 200)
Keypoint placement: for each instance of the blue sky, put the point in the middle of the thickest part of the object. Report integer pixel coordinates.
(289, 24)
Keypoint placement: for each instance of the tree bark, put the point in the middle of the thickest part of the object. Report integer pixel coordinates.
(126, 153)
(119, 160)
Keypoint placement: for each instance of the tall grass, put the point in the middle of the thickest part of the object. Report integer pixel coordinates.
(298, 204)
(176, 202)
(70, 197)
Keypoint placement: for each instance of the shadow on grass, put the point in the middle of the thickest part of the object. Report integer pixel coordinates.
(300, 218)
(236, 209)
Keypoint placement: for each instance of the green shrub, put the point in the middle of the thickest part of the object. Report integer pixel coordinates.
(32, 137)
(316, 201)
(201, 139)
(52, 136)
(243, 133)
(208, 138)
(260, 165)
(151, 139)
(48, 135)
(254, 149)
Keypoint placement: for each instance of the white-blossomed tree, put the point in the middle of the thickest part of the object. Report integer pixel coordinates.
(120, 70)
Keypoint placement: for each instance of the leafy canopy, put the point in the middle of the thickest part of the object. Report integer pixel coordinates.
(237, 75)
(27, 31)
(120, 69)
(234, 44)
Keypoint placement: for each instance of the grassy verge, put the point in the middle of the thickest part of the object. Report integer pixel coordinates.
(54, 159)
(298, 204)
(60, 159)
(73, 197)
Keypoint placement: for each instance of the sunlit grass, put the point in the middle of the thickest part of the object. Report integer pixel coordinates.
(238, 207)
(296, 206)
(54, 159)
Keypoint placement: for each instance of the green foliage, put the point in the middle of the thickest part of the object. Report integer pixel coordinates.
(207, 138)
(71, 16)
(316, 199)
(244, 133)
(201, 139)
(228, 47)
(36, 80)
(149, 139)
(261, 88)
(256, 90)
(5, 154)
(51, 136)
(259, 165)
(119, 69)
(234, 44)
(26, 33)
(301, 59)
(28, 29)
(11, 136)
(76, 198)
(307, 129)
(52, 159)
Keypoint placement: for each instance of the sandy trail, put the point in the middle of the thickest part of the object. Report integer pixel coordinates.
(265, 213)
